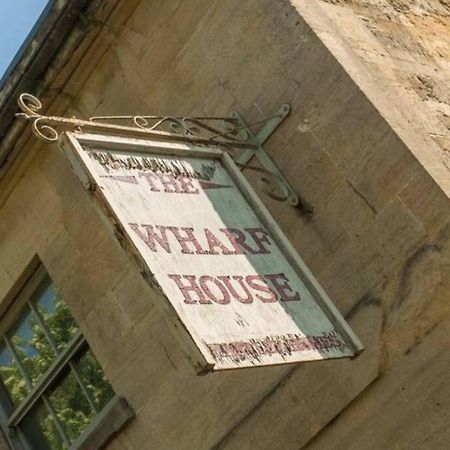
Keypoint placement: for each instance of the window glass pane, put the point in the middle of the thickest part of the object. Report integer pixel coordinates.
(11, 377)
(39, 338)
(71, 406)
(94, 379)
(55, 314)
(31, 345)
(40, 429)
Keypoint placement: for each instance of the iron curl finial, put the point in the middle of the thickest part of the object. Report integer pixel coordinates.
(272, 185)
(231, 134)
(140, 122)
(30, 105)
(43, 131)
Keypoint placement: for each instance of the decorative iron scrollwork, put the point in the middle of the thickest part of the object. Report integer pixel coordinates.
(203, 130)
(271, 184)
(216, 129)
(231, 134)
(31, 106)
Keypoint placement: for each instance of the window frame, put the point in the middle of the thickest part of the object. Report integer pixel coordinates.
(65, 362)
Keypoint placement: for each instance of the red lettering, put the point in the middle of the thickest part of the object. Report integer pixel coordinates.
(169, 183)
(259, 235)
(248, 296)
(225, 295)
(222, 288)
(227, 233)
(281, 284)
(151, 238)
(149, 177)
(172, 184)
(187, 186)
(188, 238)
(252, 279)
(213, 243)
(191, 288)
(237, 239)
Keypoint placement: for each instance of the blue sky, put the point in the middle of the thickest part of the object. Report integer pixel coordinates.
(17, 18)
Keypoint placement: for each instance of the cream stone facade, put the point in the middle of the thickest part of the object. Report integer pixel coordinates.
(366, 145)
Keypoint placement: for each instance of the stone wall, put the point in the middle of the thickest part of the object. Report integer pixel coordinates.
(378, 241)
(402, 49)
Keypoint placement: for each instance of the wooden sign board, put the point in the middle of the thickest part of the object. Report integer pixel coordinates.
(220, 264)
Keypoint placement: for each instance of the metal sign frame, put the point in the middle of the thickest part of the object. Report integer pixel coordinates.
(76, 144)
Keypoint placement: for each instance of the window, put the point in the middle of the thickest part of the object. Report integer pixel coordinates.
(51, 386)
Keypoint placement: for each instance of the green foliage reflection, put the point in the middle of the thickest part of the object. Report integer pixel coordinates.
(99, 388)
(71, 406)
(11, 377)
(36, 354)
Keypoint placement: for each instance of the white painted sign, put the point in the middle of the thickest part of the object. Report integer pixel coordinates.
(225, 269)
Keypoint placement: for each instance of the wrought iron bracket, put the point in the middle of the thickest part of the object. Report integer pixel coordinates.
(262, 156)
(266, 161)
(232, 134)
(261, 137)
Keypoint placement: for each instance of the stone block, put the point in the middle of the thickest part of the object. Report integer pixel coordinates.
(329, 386)
(385, 172)
(398, 231)
(413, 396)
(426, 201)
(133, 295)
(105, 328)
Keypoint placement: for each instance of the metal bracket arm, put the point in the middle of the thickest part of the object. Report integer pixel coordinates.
(266, 161)
(263, 157)
(230, 133)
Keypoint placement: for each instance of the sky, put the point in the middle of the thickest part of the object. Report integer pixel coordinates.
(17, 18)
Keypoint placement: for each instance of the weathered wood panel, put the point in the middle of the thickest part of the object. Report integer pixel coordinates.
(225, 269)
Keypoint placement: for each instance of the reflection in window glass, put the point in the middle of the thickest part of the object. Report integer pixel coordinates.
(31, 345)
(11, 377)
(94, 379)
(63, 401)
(56, 315)
(40, 429)
(71, 406)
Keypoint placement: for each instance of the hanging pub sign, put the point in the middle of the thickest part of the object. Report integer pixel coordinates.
(211, 252)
